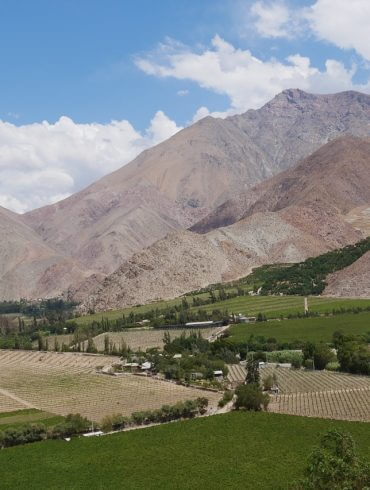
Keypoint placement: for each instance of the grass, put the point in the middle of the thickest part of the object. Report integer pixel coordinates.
(236, 450)
(28, 416)
(304, 329)
(271, 306)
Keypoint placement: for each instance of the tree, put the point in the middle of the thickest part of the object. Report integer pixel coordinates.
(253, 374)
(251, 397)
(106, 344)
(335, 465)
(322, 355)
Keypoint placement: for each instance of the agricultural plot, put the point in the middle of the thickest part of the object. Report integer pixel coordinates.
(145, 339)
(319, 329)
(347, 404)
(67, 383)
(315, 393)
(233, 451)
(27, 416)
(51, 340)
(271, 306)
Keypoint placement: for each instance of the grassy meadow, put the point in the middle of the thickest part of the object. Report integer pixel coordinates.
(304, 329)
(236, 450)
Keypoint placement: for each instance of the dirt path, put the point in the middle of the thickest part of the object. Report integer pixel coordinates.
(16, 398)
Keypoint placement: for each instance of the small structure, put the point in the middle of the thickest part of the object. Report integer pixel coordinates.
(218, 374)
(146, 366)
(195, 376)
(91, 434)
(200, 324)
(275, 390)
(177, 356)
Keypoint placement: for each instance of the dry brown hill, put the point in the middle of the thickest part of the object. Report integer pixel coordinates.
(176, 183)
(353, 281)
(185, 261)
(336, 175)
(28, 267)
(301, 212)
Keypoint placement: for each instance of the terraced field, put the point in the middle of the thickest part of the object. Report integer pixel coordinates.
(145, 339)
(63, 383)
(315, 393)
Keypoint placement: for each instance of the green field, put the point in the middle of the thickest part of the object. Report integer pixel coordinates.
(271, 306)
(236, 450)
(313, 329)
(28, 416)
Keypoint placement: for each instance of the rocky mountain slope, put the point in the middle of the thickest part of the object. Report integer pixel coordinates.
(28, 267)
(176, 183)
(352, 281)
(295, 215)
(337, 175)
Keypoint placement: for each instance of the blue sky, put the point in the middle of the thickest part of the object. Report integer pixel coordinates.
(153, 66)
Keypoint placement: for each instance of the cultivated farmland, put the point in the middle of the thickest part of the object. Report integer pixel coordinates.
(318, 329)
(315, 393)
(271, 306)
(246, 450)
(68, 383)
(143, 339)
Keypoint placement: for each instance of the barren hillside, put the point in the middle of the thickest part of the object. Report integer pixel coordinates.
(185, 261)
(28, 267)
(176, 183)
(351, 281)
(336, 175)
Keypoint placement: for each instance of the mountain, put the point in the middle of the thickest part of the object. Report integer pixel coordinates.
(337, 176)
(28, 267)
(351, 281)
(176, 183)
(297, 214)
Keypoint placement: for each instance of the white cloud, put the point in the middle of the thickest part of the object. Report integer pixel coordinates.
(42, 163)
(272, 19)
(345, 23)
(161, 127)
(181, 93)
(247, 80)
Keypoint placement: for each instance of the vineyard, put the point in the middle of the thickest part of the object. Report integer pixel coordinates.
(271, 306)
(315, 393)
(319, 329)
(144, 339)
(67, 383)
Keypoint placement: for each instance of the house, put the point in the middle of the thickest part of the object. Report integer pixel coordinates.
(195, 376)
(177, 356)
(218, 374)
(146, 366)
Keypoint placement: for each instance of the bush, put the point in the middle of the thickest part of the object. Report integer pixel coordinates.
(268, 383)
(335, 465)
(308, 364)
(22, 435)
(251, 397)
(297, 363)
(228, 396)
(74, 424)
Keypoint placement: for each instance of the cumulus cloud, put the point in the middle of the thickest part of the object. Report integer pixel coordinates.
(248, 81)
(342, 22)
(273, 19)
(181, 93)
(42, 163)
